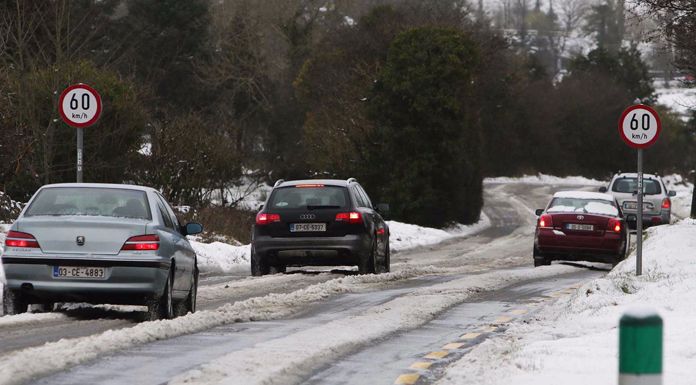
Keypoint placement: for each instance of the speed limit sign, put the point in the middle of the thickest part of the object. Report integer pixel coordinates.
(640, 126)
(80, 105)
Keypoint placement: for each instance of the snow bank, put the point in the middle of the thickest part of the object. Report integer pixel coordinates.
(405, 236)
(681, 204)
(576, 338)
(219, 257)
(546, 179)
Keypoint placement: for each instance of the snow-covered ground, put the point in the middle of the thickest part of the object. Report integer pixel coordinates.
(681, 204)
(575, 340)
(678, 98)
(546, 180)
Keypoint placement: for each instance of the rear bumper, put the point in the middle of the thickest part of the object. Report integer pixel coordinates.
(323, 251)
(653, 219)
(603, 248)
(127, 281)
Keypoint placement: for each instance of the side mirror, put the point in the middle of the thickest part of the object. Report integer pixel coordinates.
(602, 189)
(383, 208)
(193, 228)
(538, 212)
(260, 207)
(672, 193)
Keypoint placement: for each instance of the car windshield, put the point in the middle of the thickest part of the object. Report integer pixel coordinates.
(109, 202)
(583, 205)
(630, 185)
(314, 197)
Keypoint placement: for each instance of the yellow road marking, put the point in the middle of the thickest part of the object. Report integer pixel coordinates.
(407, 379)
(502, 319)
(437, 355)
(487, 329)
(453, 346)
(519, 311)
(421, 365)
(471, 336)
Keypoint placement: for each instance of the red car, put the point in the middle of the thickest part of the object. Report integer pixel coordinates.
(580, 226)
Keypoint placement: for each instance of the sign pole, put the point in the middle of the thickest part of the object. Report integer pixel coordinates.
(639, 224)
(80, 152)
(639, 128)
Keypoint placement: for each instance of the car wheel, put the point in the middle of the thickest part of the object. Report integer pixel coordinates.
(189, 304)
(259, 266)
(13, 303)
(387, 259)
(163, 307)
(368, 262)
(539, 259)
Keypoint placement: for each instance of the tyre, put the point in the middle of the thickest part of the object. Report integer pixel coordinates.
(13, 303)
(540, 259)
(189, 304)
(259, 266)
(163, 307)
(368, 262)
(383, 263)
(387, 260)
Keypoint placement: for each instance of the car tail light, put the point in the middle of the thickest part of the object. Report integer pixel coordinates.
(18, 239)
(666, 203)
(352, 217)
(545, 221)
(614, 225)
(264, 218)
(309, 186)
(142, 242)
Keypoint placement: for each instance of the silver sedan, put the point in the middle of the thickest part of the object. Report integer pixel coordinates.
(100, 243)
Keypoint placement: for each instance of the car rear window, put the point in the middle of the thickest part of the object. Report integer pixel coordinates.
(630, 185)
(107, 202)
(580, 205)
(308, 196)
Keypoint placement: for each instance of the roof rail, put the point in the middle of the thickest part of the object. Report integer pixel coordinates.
(279, 181)
(351, 180)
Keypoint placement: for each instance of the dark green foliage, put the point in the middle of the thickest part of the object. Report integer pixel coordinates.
(429, 154)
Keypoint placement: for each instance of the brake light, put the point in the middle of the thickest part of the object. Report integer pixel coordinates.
(666, 203)
(352, 217)
(546, 221)
(614, 225)
(19, 239)
(309, 185)
(142, 242)
(264, 218)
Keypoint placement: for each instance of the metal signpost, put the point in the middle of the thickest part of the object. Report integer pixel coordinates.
(80, 106)
(639, 127)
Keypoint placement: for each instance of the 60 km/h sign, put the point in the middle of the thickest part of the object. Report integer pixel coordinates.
(640, 126)
(80, 105)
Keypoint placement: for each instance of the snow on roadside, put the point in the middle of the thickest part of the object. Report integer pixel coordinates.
(405, 236)
(681, 204)
(220, 257)
(576, 337)
(546, 179)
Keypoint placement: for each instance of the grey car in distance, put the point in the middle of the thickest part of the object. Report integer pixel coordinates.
(100, 243)
(657, 203)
